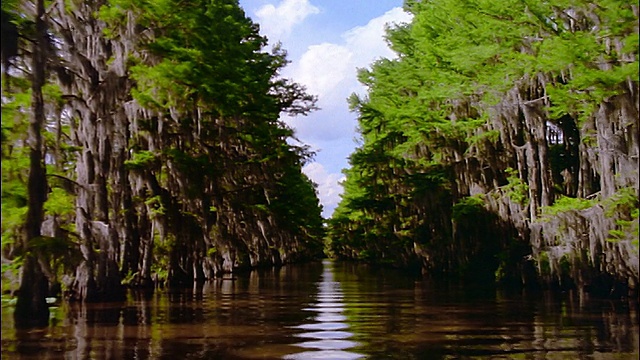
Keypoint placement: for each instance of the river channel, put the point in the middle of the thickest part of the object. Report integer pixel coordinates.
(330, 310)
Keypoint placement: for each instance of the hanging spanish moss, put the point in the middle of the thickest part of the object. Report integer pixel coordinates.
(167, 159)
(501, 144)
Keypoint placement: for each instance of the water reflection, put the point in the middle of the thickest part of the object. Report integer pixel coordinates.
(327, 331)
(400, 317)
(332, 310)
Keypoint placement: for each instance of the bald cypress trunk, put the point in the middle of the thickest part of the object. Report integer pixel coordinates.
(175, 179)
(31, 308)
(540, 163)
(97, 89)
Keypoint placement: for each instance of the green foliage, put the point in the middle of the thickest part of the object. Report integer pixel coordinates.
(210, 54)
(163, 247)
(54, 246)
(61, 253)
(566, 204)
(623, 201)
(432, 104)
(227, 161)
(516, 188)
(59, 202)
(129, 278)
(296, 206)
(53, 95)
(492, 136)
(14, 208)
(624, 206)
(156, 205)
(469, 206)
(15, 164)
(576, 51)
(141, 160)
(261, 207)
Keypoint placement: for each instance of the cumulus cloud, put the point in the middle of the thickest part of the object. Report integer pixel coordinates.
(323, 67)
(329, 189)
(368, 41)
(329, 70)
(278, 21)
(328, 67)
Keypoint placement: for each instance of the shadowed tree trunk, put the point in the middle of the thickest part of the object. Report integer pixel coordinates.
(98, 89)
(31, 308)
(546, 156)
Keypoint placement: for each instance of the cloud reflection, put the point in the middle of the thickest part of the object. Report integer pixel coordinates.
(328, 329)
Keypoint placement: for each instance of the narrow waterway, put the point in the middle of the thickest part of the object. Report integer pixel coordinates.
(332, 311)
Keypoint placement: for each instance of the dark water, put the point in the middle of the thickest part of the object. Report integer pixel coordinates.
(333, 311)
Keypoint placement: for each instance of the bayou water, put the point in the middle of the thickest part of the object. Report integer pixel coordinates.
(333, 311)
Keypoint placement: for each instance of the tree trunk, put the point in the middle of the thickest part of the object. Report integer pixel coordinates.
(99, 89)
(31, 308)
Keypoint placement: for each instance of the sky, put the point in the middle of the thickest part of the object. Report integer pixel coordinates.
(327, 41)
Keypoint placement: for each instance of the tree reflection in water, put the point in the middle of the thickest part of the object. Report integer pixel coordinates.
(326, 310)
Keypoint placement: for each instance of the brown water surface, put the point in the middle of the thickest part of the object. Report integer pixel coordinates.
(332, 311)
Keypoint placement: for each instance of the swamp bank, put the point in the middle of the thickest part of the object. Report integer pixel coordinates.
(502, 144)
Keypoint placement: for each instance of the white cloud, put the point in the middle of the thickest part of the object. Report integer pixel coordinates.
(329, 70)
(329, 189)
(278, 21)
(368, 41)
(323, 67)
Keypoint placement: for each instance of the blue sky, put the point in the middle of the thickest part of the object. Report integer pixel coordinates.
(327, 41)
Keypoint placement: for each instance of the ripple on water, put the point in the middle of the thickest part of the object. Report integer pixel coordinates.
(329, 344)
(325, 309)
(330, 295)
(325, 355)
(330, 317)
(329, 305)
(323, 335)
(323, 326)
(328, 341)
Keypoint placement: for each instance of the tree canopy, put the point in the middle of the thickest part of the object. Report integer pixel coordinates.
(166, 157)
(491, 112)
